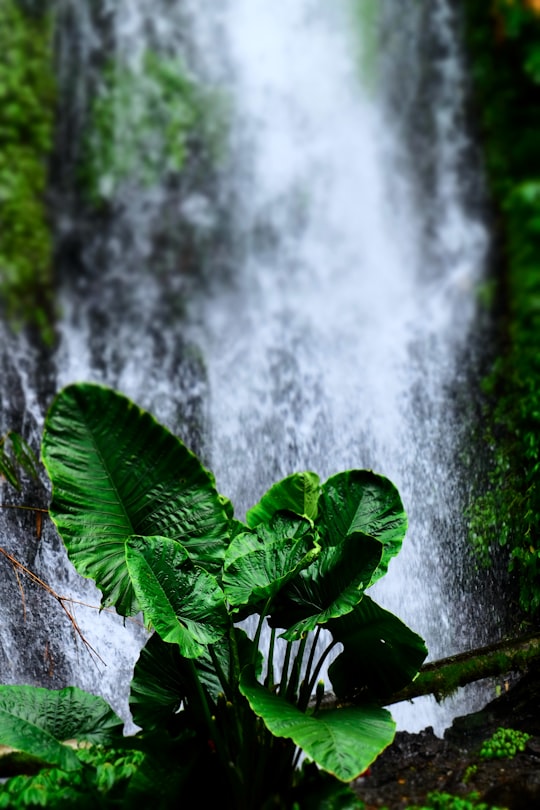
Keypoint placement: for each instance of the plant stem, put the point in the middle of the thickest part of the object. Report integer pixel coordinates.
(312, 683)
(285, 668)
(306, 688)
(296, 760)
(221, 675)
(269, 680)
(312, 652)
(292, 686)
(234, 661)
(222, 747)
(260, 625)
(202, 702)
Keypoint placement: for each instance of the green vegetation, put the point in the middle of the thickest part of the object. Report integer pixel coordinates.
(27, 111)
(445, 801)
(140, 515)
(100, 781)
(505, 742)
(470, 772)
(365, 18)
(144, 123)
(504, 43)
(16, 457)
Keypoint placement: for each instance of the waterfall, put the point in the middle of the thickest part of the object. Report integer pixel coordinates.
(348, 336)
(308, 303)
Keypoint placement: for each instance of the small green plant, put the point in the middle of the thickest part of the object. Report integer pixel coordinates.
(446, 801)
(470, 772)
(16, 457)
(101, 779)
(505, 743)
(220, 710)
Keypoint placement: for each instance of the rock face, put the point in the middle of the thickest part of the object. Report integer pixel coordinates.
(417, 764)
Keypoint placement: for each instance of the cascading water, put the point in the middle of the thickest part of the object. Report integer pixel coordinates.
(346, 338)
(338, 253)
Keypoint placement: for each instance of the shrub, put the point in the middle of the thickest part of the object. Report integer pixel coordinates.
(140, 515)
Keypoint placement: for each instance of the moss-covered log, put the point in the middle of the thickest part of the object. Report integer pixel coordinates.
(442, 678)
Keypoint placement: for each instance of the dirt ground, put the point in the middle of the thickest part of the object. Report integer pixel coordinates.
(416, 764)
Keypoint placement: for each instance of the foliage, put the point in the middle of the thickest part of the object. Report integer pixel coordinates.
(505, 743)
(504, 42)
(27, 109)
(140, 515)
(16, 457)
(100, 781)
(470, 772)
(144, 123)
(445, 801)
(365, 18)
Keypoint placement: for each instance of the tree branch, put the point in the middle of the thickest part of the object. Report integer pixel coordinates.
(442, 678)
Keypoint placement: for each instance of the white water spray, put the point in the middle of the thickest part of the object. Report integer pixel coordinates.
(340, 340)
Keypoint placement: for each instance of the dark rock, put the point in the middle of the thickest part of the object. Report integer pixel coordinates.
(418, 764)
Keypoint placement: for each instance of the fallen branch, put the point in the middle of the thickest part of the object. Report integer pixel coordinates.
(442, 678)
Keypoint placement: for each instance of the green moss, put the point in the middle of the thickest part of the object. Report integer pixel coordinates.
(445, 801)
(504, 44)
(27, 109)
(470, 772)
(144, 123)
(365, 17)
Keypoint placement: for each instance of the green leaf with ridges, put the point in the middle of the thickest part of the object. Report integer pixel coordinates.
(330, 587)
(184, 603)
(38, 721)
(259, 564)
(157, 688)
(343, 742)
(361, 501)
(163, 678)
(380, 654)
(298, 493)
(116, 472)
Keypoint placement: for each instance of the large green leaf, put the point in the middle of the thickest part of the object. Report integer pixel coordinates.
(184, 603)
(380, 653)
(259, 564)
(361, 501)
(38, 721)
(330, 587)
(158, 686)
(343, 742)
(116, 472)
(163, 678)
(298, 493)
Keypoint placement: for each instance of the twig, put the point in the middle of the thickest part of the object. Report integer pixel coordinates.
(62, 600)
(25, 508)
